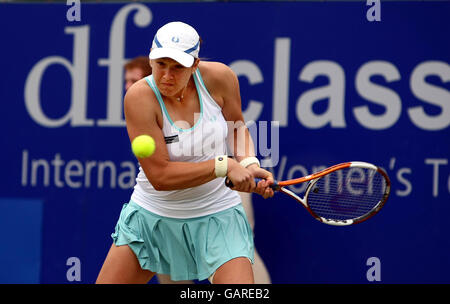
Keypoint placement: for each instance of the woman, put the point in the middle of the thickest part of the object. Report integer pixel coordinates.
(182, 220)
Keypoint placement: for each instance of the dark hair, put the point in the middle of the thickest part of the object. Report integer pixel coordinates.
(201, 42)
(141, 62)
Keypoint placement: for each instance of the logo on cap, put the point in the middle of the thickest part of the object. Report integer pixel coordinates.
(175, 39)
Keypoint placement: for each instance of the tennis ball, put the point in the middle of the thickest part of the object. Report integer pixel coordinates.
(143, 146)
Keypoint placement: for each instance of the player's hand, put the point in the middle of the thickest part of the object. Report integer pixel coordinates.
(263, 187)
(241, 177)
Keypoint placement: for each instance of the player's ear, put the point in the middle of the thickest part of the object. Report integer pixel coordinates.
(195, 64)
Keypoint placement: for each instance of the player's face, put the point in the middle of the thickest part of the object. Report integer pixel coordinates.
(133, 75)
(170, 76)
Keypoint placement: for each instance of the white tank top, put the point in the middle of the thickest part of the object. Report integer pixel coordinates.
(203, 141)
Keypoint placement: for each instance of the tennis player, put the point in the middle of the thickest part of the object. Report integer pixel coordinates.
(138, 68)
(181, 219)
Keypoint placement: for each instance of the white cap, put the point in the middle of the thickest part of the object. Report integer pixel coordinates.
(176, 40)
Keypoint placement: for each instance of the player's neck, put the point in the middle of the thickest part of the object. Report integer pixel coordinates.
(184, 94)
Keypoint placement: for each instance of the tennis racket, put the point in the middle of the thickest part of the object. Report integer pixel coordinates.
(341, 195)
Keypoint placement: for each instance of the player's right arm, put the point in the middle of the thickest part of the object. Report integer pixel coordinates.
(143, 116)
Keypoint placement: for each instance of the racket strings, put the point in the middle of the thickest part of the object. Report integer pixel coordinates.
(347, 193)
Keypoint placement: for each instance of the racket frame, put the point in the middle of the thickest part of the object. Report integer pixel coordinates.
(313, 178)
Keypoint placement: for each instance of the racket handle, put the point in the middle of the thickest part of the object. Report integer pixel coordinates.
(230, 184)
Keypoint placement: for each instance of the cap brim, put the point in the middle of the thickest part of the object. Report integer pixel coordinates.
(181, 57)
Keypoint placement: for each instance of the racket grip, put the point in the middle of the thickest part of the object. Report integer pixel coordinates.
(230, 184)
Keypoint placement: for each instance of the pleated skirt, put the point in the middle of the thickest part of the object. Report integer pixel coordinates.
(185, 249)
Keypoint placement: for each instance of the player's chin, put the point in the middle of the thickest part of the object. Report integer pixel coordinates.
(168, 90)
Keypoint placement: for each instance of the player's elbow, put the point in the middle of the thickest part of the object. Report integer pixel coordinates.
(158, 175)
(161, 182)
(160, 186)
(158, 183)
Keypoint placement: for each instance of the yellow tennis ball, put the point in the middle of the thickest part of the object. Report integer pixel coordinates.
(143, 146)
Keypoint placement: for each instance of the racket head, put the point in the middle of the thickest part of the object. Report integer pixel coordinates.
(316, 175)
(348, 195)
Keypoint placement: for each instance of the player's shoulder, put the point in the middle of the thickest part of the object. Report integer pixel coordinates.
(214, 70)
(216, 74)
(140, 96)
(140, 91)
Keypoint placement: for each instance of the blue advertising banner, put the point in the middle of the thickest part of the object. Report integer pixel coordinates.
(323, 83)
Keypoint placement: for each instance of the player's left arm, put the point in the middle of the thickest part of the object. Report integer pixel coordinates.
(241, 141)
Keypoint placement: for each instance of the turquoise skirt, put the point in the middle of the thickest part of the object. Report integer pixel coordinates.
(185, 249)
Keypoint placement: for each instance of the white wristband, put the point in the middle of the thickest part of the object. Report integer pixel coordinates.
(221, 166)
(249, 161)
